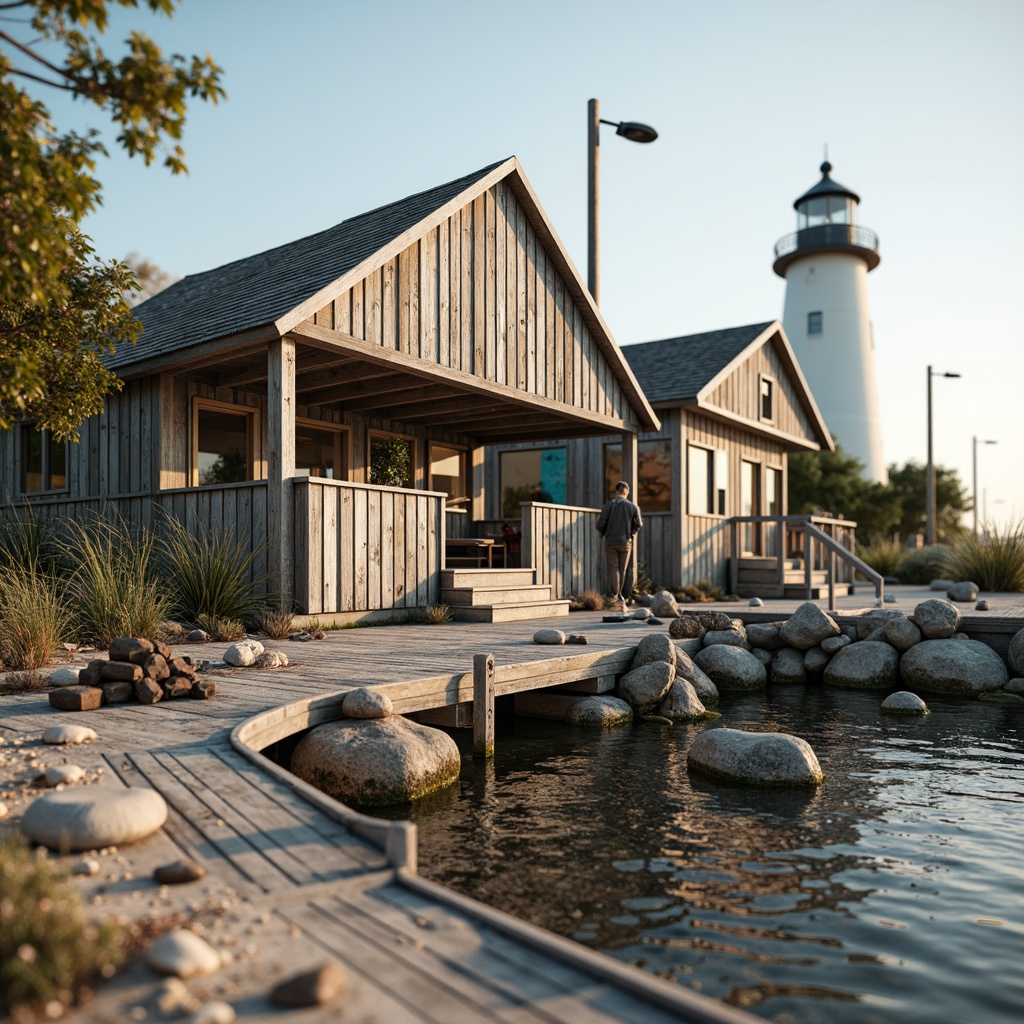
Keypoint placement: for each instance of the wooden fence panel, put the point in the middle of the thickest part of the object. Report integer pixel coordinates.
(561, 543)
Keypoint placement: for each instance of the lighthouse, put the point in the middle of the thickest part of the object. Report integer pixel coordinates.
(827, 315)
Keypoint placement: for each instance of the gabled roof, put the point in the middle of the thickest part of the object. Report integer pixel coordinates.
(686, 370)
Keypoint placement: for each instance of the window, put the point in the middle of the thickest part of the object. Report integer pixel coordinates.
(814, 324)
(653, 474)
(773, 507)
(750, 505)
(223, 441)
(392, 459)
(44, 460)
(320, 450)
(448, 472)
(707, 481)
(536, 474)
(766, 403)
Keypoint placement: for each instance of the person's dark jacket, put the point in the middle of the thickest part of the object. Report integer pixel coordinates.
(619, 521)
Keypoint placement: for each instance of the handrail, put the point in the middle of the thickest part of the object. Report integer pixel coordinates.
(827, 235)
(837, 549)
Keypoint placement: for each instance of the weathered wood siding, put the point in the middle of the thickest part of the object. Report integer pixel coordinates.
(363, 548)
(457, 525)
(562, 543)
(481, 294)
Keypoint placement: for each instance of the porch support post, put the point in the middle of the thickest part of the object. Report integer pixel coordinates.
(483, 705)
(630, 458)
(281, 468)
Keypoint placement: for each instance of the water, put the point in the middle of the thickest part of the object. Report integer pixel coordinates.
(894, 893)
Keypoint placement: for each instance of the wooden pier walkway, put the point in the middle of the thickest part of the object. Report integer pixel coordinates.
(291, 882)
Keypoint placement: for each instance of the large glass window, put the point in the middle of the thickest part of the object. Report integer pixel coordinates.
(448, 471)
(43, 460)
(773, 507)
(536, 474)
(707, 481)
(750, 505)
(653, 473)
(392, 460)
(320, 451)
(223, 444)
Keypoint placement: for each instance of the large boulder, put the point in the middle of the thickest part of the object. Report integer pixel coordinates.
(807, 627)
(602, 711)
(88, 818)
(681, 704)
(732, 669)
(644, 687)
(755, 758)
(866, 665)
(376, 761)
(697, 678)
(788, 666)
(656, 647)
(664, 606)
(963, 592)
(936, 619)
(1015, 654)
(902, 633)
(959, 668)
(765, 635)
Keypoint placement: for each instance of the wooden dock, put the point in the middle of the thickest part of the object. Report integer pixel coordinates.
(294, 878)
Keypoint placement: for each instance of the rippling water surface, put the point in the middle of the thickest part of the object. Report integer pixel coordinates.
(893, 893)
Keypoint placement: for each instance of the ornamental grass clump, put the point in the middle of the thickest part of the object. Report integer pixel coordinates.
(49, 950)
(591, 600)
(210, 573)
(226, 630)
(437, 614)
(26, 542)
(276, 625)
(113, 586)
(34, 618)
(884, 554)
(994, 560)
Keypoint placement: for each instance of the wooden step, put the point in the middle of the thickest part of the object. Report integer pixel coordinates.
(464, 597)
(817, 591)
(512, 612)
(456, 579)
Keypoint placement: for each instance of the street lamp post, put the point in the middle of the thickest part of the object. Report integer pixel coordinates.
(635, 132)
(929, 536)
(974, 476)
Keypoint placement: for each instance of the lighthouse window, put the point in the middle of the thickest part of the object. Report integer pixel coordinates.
(814, 323)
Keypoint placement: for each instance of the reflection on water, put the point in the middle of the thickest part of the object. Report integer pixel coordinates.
(895, 892)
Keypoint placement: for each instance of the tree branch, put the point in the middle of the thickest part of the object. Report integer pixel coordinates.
(46, 81)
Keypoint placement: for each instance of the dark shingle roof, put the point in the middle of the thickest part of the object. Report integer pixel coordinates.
(259, 289)
(676, 369)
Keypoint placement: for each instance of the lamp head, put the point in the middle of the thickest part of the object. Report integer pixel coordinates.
(635, 131)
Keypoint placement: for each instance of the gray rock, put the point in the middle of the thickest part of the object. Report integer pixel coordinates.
(655, 621)
(664, 605)
(788, 666)
(936, 619)
(179, 872)
(645, 686)
(763, 656)
(807, 627)
(902, 633)
(815, 659)
(685, 627)
(963, 592)
(756, 602)
(318, 987)
(699, 680)
(981, 606)
(889, 599)
(903, 702)
(197, 636)
(1015, 653)
(958, 668)
(940, 584)
(91, 817)
(834, 644)
(183, 954)
(549, 636)
(642, 614)
(868, 622)
(725, 636)
(656, 647)
(244, 653)
(755, 758)
(850, 632)
(1015, 686)
(878, 635)
(765, 635)
(271, 659)
(605, 712)
(66, 675)
(1001, 697)
(867, 665)
(681, 704)
(376, 761)
(615, 617)
(732, 669)
(960, 636)
(61, 734)
(366, 702)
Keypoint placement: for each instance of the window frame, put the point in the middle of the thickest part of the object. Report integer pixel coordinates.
(252, 426)
(665, 443)
(819, 323)
(342, 445)
(414, 466)
(717, 482)
(762, 380)
(46, 443)
(500, 497)
(463, 453)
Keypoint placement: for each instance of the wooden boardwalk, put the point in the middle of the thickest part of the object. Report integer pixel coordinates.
(289, 883)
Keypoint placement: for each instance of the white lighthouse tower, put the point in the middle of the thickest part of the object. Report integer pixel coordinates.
(827, 316)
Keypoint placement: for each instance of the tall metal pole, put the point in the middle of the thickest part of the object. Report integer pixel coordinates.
(974, 481)
(593, 197)
(929, 533)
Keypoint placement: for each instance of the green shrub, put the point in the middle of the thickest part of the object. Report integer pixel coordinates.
(210, 573)
(113, 587)
(48, 948)
(34, 620)
(923, 565)
(884, 554)
(994, 559)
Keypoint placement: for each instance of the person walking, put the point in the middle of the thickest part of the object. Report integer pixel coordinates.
(618, 523)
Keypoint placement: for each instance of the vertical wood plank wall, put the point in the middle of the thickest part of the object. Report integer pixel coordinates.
(562, 543)
(457, 524)
(363, 548)
(481, 294)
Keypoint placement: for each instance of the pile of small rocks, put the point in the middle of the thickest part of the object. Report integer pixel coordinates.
(137, 669)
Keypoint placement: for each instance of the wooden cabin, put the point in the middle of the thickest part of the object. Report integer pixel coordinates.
(733, 404)
(262, 392)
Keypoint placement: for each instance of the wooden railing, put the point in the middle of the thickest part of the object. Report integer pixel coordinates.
(562, 543)
(363, 548)
(457, 523)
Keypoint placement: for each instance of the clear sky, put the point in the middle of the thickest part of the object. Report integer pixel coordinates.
(337, 106)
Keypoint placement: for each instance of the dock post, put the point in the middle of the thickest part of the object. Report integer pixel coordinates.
(483, 705)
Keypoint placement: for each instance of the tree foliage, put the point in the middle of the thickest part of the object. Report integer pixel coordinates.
(52, 287)
(150, 279)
